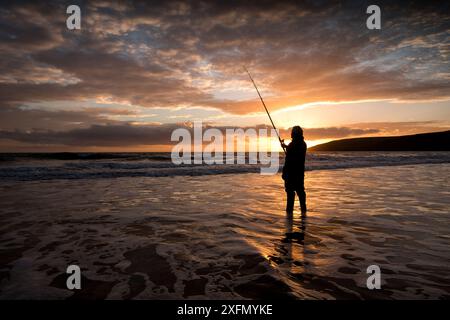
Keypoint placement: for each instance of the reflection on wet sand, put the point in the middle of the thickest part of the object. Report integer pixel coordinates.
(197, 237)
(290, 251)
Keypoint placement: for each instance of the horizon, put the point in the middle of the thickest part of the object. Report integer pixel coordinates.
(135, 72)
(255, 151)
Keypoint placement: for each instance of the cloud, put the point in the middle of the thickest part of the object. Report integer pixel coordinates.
(25, 119)
(171, 54)
(336, 132)
(403, 128)
(97, 135)
(126, 135)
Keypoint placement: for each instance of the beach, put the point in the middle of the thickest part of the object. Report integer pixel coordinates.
(227, 236)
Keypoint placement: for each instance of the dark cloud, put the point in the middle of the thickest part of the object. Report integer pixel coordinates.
(404, 128)
(96, 135)
(168, 54)
(336, 132)
(25, 119)
(126, 135)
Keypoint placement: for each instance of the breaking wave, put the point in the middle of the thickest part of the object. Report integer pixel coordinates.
(29, 167)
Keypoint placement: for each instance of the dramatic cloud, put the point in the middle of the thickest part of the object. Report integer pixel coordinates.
(97, 135)
(179, 54)
(141, 135)
(172, 55)
(120, 135)
(12, 118)
(403, 128)
(336, 132)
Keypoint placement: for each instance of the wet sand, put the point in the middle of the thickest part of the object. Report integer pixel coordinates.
(228, 236)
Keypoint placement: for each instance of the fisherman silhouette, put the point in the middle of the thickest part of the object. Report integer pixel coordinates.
(294, 170)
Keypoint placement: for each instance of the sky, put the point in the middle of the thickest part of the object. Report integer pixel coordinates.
(136, 71)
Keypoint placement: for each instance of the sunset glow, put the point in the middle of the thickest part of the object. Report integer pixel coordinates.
(134, 72)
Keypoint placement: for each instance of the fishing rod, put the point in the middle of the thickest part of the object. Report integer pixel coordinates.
(267, 111)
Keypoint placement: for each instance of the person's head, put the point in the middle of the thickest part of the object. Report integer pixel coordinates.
(297, 133)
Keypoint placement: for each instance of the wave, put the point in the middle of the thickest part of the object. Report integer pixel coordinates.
(84, 156)
(115, 165)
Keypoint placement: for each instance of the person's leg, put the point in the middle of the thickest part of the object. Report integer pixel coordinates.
(302, 198)
(302, 195)
(290, 200)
